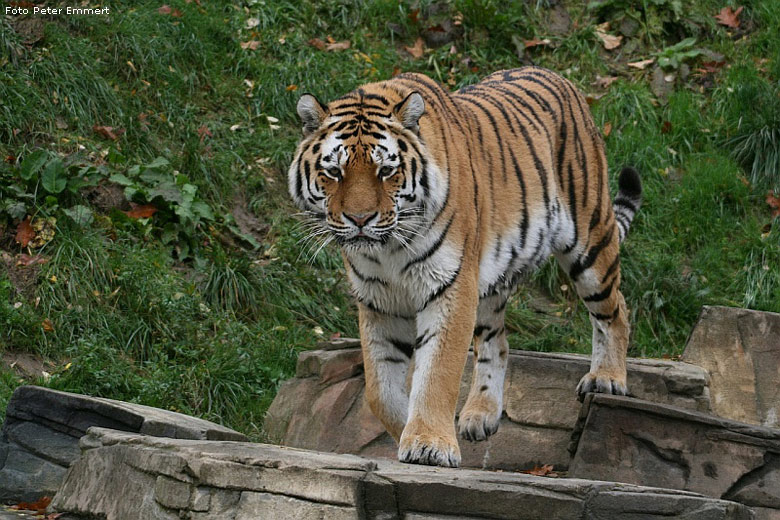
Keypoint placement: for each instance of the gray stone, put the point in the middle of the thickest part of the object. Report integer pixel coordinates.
(323, 407)
(627, 440)
(172, 493)
(41, 433)
(741, 350)
(252, 506)
(248, 481)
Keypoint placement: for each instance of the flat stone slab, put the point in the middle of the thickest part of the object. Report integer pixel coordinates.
(638, 442)
(323, 408)
(741, 350)
(40, 436)
(123, 476)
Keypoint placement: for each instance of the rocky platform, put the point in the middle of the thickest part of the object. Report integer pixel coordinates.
(322, 407)
(125, 476)
(42, 428)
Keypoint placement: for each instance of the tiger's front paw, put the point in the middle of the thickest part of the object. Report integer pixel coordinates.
(476, 424)
(430, 449)
(602, 384)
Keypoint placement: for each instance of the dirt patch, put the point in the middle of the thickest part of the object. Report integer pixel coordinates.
(24, 278)
(246, 221)
(106, 197)
(26, 365)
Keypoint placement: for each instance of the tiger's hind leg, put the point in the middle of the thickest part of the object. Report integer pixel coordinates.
(595, 271)
(481, 414)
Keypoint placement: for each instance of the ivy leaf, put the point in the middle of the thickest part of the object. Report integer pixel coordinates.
(53, 178)
(120, 179)
(81, 215)
(33, 163)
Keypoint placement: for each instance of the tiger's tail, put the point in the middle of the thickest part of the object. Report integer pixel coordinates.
(628, 200)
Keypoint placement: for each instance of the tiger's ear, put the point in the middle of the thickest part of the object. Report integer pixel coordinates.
(311, 112)
(410, 110)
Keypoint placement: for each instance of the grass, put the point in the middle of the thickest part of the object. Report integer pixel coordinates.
(213, 330)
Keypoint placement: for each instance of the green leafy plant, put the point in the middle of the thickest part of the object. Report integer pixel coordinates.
(673, 56)
(179, 210)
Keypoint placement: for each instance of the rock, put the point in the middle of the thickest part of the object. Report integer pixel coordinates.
(323, 407)
(41, 433)
(637, 442)
(247, 481)
(741, 350)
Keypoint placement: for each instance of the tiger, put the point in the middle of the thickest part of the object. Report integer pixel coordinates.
(440, 203)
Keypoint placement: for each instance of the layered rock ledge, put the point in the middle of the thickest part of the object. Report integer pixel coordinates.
(42, 429)
(323, 408)
(123, 476)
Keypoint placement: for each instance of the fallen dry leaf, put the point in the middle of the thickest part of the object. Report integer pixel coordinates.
(545, 470)
(536, 42)
(165, 9)
(729, 17)
(251, 45)
(607, 129)
(141, 211)
(317, 44)
(414, 15)
(608, 40)
(774, 203)
(291, 88)
(604, 81)
(48, 326)
(710, 67)
(39, 506)
(337, 46)
(641, 65)
(25, 260)
(203, 132)
(10, 159)
(666, 127)
(109, 132)
(417, 50)
(330, 46)
(396, 71)
(24, 232)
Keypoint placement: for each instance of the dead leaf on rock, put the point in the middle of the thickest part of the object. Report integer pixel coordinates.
(39, 506)
(729, 17)
(24, 232)
(417, 50)
(545, 470)
(608, 40)
(641, 65)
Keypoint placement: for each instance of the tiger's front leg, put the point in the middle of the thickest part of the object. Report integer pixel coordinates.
(387, 344)
(444, 326)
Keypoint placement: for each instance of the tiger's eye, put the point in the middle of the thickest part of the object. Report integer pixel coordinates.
(334, 172)
(385, 172)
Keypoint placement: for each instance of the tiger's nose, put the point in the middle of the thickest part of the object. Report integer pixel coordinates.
(359, 219)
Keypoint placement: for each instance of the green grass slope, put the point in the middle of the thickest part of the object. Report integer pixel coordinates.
(143, 158)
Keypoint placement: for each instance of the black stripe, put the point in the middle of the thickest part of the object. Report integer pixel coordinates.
(405, 347)
(479, 329)
(492, 334)
(436, 245)
(585, 261)
(366, 279)
(442, 288)
(603, 295)
(606, 317)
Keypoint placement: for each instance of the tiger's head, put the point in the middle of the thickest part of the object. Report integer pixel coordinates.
(362, 170)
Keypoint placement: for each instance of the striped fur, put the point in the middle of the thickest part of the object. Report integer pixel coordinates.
(441, 202)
